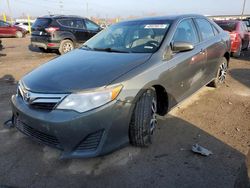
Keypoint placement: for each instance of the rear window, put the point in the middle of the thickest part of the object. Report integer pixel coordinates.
(42, 22)
(227, 26)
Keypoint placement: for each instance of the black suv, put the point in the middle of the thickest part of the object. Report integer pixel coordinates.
(62, 33)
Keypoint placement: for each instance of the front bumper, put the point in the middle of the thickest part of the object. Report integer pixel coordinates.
(89, 134)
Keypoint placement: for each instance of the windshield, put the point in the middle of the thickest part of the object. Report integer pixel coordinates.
(227, 26)
(130, 37)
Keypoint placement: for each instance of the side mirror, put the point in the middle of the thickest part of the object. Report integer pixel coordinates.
(182, 46)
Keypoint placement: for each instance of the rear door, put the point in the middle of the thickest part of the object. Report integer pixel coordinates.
(76, 27)
(213, 46)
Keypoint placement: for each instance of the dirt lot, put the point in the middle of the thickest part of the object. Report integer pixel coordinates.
(218, 119)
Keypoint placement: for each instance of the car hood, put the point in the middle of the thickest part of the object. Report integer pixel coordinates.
(81, 69)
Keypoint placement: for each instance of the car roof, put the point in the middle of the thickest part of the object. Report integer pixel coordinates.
(170, 17)
(60, 16)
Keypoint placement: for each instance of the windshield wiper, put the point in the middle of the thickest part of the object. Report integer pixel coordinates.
(86, 46)
(110, 50)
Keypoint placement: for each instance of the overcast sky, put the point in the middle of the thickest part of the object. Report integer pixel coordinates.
(123, 8)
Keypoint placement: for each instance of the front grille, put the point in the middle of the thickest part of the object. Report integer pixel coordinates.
(42, 101)
(90, 142)
(44, 106)
(37, 135)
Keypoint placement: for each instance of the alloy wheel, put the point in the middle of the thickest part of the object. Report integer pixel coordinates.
(67, 47)
(153, 120)
(222, 72)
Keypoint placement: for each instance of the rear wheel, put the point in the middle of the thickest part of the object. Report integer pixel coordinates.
(238, 53)
(19, 34)
(221, 74)
(143, 121)
(66, 46)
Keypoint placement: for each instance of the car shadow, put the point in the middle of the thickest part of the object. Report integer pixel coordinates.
(245, 55)
(241, 75)
(37, 50)
(169, 162)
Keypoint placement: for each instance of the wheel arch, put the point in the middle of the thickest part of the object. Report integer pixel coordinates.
(227, 56)
(162, 97)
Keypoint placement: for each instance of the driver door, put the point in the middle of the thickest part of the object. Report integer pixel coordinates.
(186, 68)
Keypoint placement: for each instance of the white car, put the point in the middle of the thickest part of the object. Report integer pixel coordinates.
(24, 25)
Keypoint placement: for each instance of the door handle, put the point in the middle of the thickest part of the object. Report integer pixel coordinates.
(202, 51)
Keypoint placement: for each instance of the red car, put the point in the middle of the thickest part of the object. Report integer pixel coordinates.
(8, 30)
(238, 33)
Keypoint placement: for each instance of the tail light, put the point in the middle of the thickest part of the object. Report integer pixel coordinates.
(51, 29)
(234, 36)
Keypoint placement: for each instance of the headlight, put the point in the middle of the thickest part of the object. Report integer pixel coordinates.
(85, 101)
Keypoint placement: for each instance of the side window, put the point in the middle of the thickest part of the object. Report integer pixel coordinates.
(64, 22)
(4, 24)
(186, 32)
(78, 24)
(244, 27)
(73, 23)
(205, 28)
(216, 32)
(91, 26)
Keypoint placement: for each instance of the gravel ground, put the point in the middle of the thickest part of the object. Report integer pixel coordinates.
(218, 119)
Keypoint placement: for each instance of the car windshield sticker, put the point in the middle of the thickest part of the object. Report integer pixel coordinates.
(148, 47)
(156, 26)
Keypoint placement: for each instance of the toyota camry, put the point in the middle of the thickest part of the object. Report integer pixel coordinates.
(110, 91)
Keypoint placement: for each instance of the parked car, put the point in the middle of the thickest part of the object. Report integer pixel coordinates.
(107, 93)
(8, 30)
(63, 33)
(24, 25)
(247, 22)
(238, 33)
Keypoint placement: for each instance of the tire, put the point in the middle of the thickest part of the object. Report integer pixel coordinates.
(143, 121)
(221, 74)
(19, 34)
(66, 46)
(238, 53)
(247, 46)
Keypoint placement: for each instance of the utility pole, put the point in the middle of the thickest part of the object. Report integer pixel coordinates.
(87, 9)
(243, 8)
(61, 6)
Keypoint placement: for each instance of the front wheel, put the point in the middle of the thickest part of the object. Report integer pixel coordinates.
(66, 46)
(143, 121)
(221, 74)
